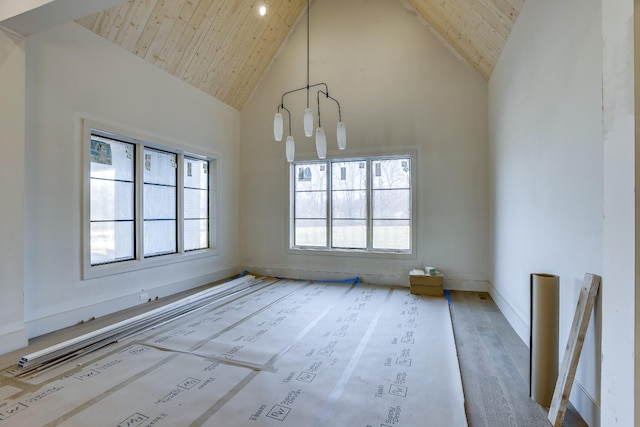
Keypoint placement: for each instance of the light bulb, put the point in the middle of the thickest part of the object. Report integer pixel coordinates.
(290, 149)
(263, 10)
(308, 122)
(341, 134)
(277, 127)
(321, 143)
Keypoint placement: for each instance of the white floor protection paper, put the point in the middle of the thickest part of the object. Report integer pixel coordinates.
(289, 354)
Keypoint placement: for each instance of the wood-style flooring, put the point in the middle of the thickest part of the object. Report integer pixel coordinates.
(494, 361)
(494, 365)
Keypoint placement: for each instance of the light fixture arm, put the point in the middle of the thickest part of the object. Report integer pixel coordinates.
(321, 142)
(288, 113)
(326, 87)
(326, 94)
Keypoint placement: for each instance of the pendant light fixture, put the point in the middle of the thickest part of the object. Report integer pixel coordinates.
(321, 139)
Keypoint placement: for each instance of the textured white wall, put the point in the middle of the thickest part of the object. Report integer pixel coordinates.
(12, 121)
(545, 127)
(399, 88)
(619, 290)
(73, 73)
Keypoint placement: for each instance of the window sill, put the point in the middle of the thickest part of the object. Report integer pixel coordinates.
(351, 253)
(103, 270)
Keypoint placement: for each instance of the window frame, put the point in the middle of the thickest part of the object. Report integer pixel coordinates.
(140, 141)
(369, 251)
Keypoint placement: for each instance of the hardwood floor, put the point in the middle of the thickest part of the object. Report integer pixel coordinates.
(494, 365)
(494, 362)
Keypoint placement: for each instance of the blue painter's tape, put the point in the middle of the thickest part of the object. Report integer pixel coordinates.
(447, 296)
(355, 280)
(244, 273)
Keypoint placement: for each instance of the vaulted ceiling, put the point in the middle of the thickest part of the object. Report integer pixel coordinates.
(223, 47)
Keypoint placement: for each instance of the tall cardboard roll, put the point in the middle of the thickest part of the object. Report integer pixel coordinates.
(543, 344)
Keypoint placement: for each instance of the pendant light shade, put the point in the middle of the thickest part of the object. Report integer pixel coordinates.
(321, 143)
(277, 127)
(321, 92)
(341, 133)
(290, 149)
(308, 122)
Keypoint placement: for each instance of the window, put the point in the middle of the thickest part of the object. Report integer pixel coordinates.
(160, 205)
(361, 205)
(196, 204)
(145, 205)
(112, 203)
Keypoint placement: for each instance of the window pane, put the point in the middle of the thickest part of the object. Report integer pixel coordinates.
(196, 234)
(310, 176)
(159, 192)
(349, 175)
(392, 234)
(159, 202)
(159, 167)
(349, 234)
(111, 200)
(111, 241)
(310, 232)
(159, 237)
(349, 201)
(112, 159)
(196, 173)
(196, 204)
(349, 204)
(391, 173)
(111, 206)
(311, 204)
(391, 204)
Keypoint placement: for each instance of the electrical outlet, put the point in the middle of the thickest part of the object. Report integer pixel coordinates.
(144, 297)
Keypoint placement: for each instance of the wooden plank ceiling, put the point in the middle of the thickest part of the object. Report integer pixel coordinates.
(223, 47)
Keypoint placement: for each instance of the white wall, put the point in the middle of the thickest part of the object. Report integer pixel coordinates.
(621, 175)
(13, 335)
(399, 87)
(73, 73)
(545, 127)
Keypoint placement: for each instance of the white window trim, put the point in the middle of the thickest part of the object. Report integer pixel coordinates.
(290, 249)
(139, 263)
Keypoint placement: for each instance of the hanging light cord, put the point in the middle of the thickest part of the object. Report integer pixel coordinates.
(308, 44)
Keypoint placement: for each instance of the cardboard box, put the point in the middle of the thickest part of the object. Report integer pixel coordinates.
(427, 285)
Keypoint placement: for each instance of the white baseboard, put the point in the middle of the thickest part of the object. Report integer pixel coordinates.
(44, 325)
(515, 319)
(585, 404)
(457, 284)
(13, 340)
(467, 285)
(291, 273)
